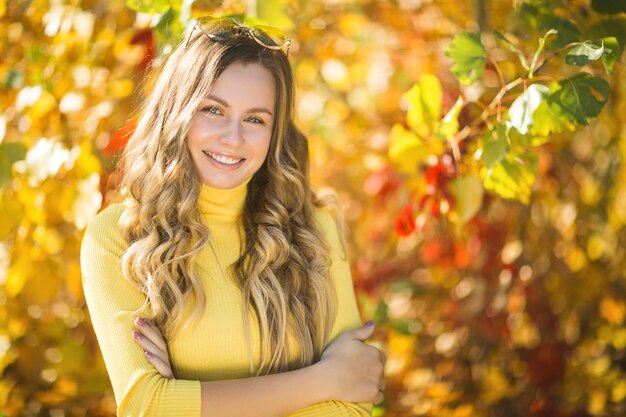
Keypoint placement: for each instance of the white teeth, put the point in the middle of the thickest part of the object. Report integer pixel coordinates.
(223, 159)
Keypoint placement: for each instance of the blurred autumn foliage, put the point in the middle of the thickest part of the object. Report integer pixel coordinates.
(477, 149)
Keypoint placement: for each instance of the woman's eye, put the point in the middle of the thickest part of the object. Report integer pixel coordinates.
(255, 120)
(212, 110)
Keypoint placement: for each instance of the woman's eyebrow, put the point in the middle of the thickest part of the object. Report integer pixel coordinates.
(252, 110)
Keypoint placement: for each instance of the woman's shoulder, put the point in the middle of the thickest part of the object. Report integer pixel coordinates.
(330, 224)
(325, 217)
(108, 217)
(104, 227)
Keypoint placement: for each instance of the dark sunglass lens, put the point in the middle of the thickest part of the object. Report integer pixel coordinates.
(216, 28)
(269, 36)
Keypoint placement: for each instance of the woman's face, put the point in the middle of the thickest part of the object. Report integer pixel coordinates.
(230, 134)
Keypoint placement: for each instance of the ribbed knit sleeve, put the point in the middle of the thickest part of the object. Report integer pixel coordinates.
(139, 389)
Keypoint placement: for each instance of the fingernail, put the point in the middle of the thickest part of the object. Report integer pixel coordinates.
(370, 323)
(137, 335)
(148, 354)
(140, 321)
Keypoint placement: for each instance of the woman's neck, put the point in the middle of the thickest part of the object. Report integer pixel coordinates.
(219, 202)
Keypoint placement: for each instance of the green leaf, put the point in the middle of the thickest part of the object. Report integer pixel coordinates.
(168, 30)
(13, 79)
(579, 98)
(609, 6)
(468, 196)
(406, 150)
(468, 56)
(584, 54)
(522, 109)
(613, 26)
(449, 125)
(514, 48)
(9, 153)
(149, 6)
(513, 177)
(546, 121)
(611, 52)
(495, 145)
(424, 100)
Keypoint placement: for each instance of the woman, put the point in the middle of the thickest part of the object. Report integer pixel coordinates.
(231, 269)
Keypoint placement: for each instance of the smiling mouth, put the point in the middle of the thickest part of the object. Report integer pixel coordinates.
(223, 159)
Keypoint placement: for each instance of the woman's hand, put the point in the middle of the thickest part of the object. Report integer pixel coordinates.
(354, 370)
(149, 337)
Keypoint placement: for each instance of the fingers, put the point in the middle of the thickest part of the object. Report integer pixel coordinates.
(149, 338)
(149, 329)
(163, 368)
(147, 345)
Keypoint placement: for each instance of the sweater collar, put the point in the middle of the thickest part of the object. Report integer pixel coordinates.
(215, 201)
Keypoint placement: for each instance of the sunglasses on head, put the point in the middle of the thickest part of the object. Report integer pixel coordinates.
(222, 29)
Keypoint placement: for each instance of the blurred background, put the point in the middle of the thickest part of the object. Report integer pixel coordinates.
(494, 268)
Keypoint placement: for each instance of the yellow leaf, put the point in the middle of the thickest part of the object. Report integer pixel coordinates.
(495, 386)
(424, 101)
(468, 195)
(612, 310)
(12, 213)
(438, 390)
(126, 53)
(618, 339)
(18, 273)
(3, 10)
(436, 147)
(595, 247)
(618, 392)
(66, 386)
(50, 240)
(597, 402)
(5, 385)
(87, 162)
(406, 150)
(43, 105)
(352, 24)
(576, 259)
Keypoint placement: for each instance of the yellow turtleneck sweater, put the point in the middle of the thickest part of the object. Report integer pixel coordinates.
(216, 348)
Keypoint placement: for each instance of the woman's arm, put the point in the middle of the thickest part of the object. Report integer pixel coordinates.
(348, 370)
(112, 301)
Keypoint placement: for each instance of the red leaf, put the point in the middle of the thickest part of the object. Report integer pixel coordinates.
(120, 138)
(405, 222)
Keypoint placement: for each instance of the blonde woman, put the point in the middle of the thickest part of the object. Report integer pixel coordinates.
(220, 285)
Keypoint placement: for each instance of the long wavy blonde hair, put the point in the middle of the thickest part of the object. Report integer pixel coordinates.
(283, 271)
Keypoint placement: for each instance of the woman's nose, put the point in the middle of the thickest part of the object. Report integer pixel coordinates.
(232, 134)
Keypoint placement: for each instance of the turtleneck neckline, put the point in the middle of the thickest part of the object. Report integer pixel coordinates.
(215, 201)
